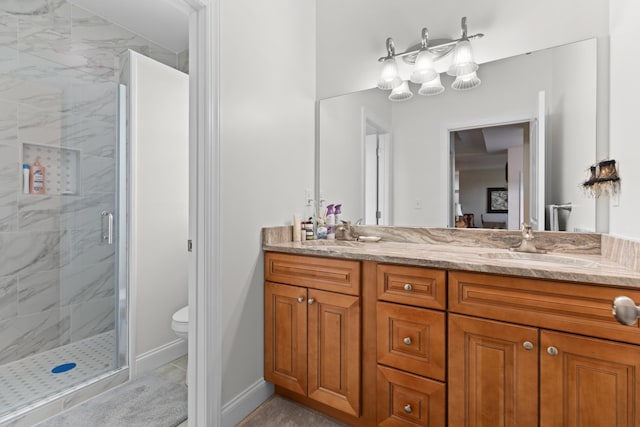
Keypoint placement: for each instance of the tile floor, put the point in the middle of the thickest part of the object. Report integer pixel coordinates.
(29, 380)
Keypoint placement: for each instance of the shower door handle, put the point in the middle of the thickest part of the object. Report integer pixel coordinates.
(107, 236)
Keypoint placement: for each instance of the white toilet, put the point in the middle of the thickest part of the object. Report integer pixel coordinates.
(180, 325)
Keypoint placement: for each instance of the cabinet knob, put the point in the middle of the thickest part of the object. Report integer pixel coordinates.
(407, 341)
(625, 310)
(300, 299)
(408, 287)
(310, 301)
(408, 409)
(528, 345)
(552, 351)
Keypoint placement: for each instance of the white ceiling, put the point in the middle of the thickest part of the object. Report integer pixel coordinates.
(164, 22)
(486, 148)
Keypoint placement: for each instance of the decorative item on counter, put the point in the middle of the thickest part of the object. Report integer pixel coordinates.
(331, 223)
(297, 231)
(603, 179)
(36, 178)
(25, 178)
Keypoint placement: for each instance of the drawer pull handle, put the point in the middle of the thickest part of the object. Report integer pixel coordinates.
(408, 287)
(300, 299)
(408, 409)
(310, 301)
(625, 310)
(528, 345)
(552, 351)
(407, 341)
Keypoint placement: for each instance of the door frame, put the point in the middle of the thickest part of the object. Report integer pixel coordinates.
(448, 172)
(205, 320)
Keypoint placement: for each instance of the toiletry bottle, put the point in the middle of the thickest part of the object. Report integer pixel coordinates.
(36, 178)
(338, 214)
(25, 178)
(296, 228)
(331, 223)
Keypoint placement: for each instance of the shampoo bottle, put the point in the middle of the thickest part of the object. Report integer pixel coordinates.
(36, 178)
(25, 178)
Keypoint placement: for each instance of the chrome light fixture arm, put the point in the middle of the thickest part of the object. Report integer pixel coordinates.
(437, 46)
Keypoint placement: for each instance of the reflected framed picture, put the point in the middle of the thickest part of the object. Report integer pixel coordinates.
(497, 200)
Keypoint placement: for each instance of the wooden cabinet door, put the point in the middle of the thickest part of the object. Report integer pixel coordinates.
(285, 336)
(493, 373)
(334, 350)
(588, 382)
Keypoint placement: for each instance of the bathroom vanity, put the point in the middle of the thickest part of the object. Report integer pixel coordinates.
(433, 327)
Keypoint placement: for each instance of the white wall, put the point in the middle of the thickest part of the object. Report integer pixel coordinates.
(351, 35)
(571, 147)
(473, 192)
(267, 102)
(623, 113)
(341, 147)
(159, 206)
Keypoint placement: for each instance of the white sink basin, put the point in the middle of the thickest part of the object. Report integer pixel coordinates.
(539, 259)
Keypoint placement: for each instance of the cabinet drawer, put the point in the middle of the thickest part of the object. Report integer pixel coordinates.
(411, 339)
(418, 286)
(572, 307)
(327, 274)
(409, 400)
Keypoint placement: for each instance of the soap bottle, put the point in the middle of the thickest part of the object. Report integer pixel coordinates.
(36, 178)
(331, 223)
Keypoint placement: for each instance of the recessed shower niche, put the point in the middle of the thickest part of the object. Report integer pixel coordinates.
(62, 166)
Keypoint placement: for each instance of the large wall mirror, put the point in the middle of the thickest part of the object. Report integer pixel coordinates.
(425, 161)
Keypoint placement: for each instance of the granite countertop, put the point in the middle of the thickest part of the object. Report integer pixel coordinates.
(574, 267)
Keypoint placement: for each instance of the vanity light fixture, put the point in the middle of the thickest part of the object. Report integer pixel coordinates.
(423, 56)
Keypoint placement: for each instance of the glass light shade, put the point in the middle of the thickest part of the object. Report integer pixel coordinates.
(434, 87)
(389, 76)
(466, 82)
(462, 62)
(401, 93)
(423, 70)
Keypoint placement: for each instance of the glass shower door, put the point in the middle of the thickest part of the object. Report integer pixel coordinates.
(63, 296)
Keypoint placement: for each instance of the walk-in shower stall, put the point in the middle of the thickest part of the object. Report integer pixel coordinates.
(63, 290)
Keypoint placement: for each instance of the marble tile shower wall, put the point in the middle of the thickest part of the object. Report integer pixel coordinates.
(58, 74)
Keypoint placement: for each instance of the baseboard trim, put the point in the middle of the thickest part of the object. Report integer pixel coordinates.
(159, 356)
(243, 404)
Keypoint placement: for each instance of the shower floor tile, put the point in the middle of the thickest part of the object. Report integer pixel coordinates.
(30, 380)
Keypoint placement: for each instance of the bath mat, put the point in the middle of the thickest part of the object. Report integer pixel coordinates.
(151, 400)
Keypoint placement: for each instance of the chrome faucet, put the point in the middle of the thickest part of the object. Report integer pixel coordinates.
(527, 245)
(345, 231)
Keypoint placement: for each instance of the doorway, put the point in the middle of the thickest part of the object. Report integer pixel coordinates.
(376, 148)
(490, 174)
